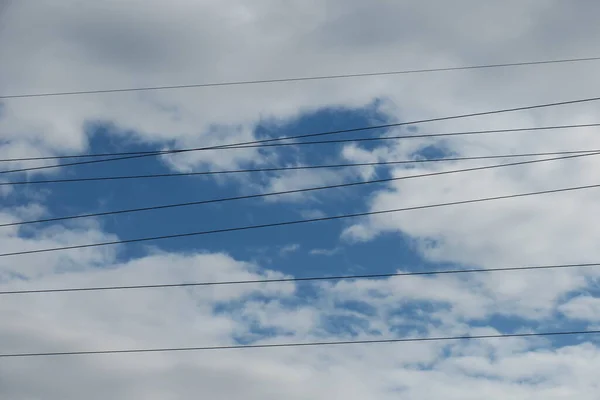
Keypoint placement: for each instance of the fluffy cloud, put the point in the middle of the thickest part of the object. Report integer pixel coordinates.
(582, 308)
(77, 45)
(225, 315)
(267, 313)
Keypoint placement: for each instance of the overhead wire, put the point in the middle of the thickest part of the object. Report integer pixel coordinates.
(296, 222)
(319, 142)
(428, 120)
(300, 279)
(294, 191)
(299, 79)
(301, 344)
(295, 168)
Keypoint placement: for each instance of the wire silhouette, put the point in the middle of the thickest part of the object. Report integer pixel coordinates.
(299, 79)
(436, 119)
(301, 344)
(297, 222)
(294, 191)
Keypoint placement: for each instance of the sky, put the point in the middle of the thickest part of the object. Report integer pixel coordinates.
(73, 45)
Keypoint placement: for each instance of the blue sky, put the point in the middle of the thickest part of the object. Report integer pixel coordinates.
(388, 252)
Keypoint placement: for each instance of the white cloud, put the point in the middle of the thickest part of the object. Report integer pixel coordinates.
(290, 248)
(312, 214)
(585, 308)
(219, 41)
(269, 313)
(188, 317)
(325, 252)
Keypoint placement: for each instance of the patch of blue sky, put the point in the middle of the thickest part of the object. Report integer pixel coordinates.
(433, 151)
(415, 318)
(347, 325)
(254, 331)
(386, 252)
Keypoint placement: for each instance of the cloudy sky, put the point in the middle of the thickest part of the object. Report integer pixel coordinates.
(74, 45)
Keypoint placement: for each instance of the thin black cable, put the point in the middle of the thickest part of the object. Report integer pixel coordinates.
(306, 279)
(293, 168)
(297, 79)
(300, 344)
(370, 139)
(296, 222)
(304, 190)
(437, 119)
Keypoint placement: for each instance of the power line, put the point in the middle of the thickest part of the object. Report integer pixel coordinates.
(301, 344)
(306, 279)
(370, 139)
(295, 168)
(295, 222)
(297, 79)
(437, 119)
(294, 191)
